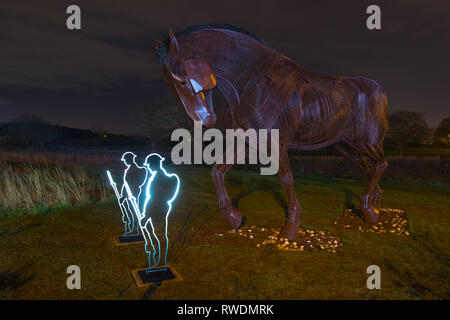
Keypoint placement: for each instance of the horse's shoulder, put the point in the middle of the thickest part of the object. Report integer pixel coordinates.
(276, 77)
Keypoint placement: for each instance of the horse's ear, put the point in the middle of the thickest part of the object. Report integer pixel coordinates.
(157, 44)
(173, 42)
(200, 73)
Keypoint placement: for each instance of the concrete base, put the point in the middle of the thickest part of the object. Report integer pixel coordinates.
(145, 279)
(129, 239)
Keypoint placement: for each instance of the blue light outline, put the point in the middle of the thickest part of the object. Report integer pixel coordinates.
(132, 199)
(139, 167)
(131, 225)
(169, 203)
(136, 208)
(122, 207)
(146, 200)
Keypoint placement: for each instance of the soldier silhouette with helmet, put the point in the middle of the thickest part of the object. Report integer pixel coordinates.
(134, 177)
(155, 204)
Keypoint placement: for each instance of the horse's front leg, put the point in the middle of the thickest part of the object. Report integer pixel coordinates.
(231, 215)
(290, 229)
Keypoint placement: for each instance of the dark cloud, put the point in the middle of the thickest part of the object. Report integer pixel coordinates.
(76, 77)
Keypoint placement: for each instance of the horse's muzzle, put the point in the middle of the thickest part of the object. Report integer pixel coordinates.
(209, 121)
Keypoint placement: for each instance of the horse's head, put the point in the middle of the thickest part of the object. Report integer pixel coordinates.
(192, 79)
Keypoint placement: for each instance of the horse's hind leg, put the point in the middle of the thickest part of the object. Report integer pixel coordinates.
(370, 199)
(290, 229)
(371, 162)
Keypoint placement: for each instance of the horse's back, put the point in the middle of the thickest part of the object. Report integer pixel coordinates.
(325, 106)
(334, 107)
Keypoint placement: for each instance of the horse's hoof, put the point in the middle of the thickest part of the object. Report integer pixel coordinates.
(289, 231)
(233, 218)
(371, 214)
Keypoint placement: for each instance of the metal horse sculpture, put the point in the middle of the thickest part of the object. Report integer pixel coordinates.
(265, 90)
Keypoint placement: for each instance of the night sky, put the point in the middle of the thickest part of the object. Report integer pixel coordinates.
(102, 75)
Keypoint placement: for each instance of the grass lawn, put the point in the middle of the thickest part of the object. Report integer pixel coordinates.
(36, 249)
(419, 151)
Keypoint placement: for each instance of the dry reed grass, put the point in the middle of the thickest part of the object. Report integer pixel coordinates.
(28, 186)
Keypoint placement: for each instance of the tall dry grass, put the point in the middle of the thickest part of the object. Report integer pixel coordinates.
(27, 187)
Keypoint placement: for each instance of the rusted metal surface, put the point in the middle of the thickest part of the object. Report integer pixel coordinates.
(266, 90)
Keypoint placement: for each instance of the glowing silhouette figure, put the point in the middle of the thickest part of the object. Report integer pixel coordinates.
(160, 190)
(134, 177)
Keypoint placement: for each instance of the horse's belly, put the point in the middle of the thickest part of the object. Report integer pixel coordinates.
(320, 126)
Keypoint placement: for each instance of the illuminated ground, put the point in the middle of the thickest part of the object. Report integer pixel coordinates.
(35, 250)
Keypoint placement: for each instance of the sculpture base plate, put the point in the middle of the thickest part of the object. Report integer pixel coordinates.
(128, 239)
(144, 279)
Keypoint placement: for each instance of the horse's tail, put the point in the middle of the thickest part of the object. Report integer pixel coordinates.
(372, 114)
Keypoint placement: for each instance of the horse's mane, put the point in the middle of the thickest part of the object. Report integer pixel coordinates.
(162, 50)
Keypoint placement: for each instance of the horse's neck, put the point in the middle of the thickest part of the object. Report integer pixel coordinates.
(229, 91)
(232, 79)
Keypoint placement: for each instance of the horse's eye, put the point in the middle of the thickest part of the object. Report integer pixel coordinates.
(183, 82)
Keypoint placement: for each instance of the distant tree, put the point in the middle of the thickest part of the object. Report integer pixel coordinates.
(442, 133)
(30, 130)
(98, 128)
(28, 118)
(406, 128)
(159, 118)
